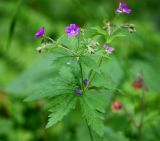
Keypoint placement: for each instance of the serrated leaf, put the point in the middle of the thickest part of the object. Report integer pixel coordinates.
(93, 108)
(61, 106)
(49, 88)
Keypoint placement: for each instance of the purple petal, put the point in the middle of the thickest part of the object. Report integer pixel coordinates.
(110, 50)
(40, 33)
(106, 46)
(68, 30)
(127, 11)
(77, 29)
(72, 30)
(122, 5)
(78, 91)
(123, 8)
(72, 34)
(119, 11)
(86, 81)
(72, 26)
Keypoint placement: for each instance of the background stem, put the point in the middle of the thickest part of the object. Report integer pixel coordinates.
(142, 114)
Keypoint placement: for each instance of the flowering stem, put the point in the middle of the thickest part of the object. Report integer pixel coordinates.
(49, 39)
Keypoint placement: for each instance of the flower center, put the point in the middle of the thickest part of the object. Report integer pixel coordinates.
(72, 31)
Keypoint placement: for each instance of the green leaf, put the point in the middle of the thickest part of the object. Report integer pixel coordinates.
(68, 42)
(66, 74)
(60, 107)
(40, 71)
(93, 109)
(90, 62)
(111, 135)
(49, 88)
(111, 38)
(100, 31)
(112, 72)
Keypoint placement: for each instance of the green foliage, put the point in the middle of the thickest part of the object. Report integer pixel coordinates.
(52, 79)
(49, 88)
(40, 71)
(60, 106)
(93, 109)
(13, 23)
(110, 135)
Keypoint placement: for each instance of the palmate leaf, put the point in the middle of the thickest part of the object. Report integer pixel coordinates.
(50, 88)
(68, 42)
(64, 83)
(90, 62)
(61, 106)
(66, 74)
(93, 109)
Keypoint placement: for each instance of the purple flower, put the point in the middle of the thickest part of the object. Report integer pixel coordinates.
(108, 49)
(72, 30)
(40, 33)
(78, 91)
(86, 81)
(123, 8)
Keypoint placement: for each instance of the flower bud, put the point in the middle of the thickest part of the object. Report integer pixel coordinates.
(116, 106)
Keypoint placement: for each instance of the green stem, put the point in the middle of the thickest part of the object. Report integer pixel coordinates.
(49, 39)
(90, 132)
(78, 42)
(130, 116)
(93, 73)
(82, 78)
(82, 86)
(80, 66)
(142, 113)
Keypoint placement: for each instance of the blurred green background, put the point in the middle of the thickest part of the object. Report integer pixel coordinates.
(21, 67)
